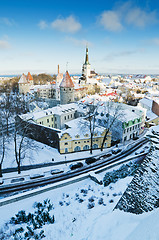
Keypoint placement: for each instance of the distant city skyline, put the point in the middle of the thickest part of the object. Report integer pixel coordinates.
(37, 35)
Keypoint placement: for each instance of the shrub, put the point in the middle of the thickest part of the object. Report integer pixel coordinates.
(100, 201)
(91, 205)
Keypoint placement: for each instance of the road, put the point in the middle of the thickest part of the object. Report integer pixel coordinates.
(42, 181)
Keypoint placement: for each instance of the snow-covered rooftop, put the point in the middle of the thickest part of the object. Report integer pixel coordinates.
(80, 127)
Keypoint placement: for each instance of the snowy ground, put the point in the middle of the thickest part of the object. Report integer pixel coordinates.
(42, 153)
(73, 219)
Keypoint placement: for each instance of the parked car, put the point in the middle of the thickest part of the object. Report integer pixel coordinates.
(116, 150)
(107, 155)
(14, 180)
(90, 160)
(75, 166)
(139, 152)
(135, 138)
(34, 176)
(56, 171)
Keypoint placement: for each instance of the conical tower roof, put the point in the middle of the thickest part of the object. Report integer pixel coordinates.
(23, 79)
(29, 77)
(67, 81)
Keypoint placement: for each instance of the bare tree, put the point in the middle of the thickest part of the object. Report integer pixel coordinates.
(112, 112)
(90, 120)
(22, 143)
(6, 106)
(11, 105)
(2, 146)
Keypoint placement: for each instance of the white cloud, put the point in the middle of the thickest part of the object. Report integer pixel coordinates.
(127, 14)
(110, 20)
(69, 24)
(140, 18)
(155, 41)
(7, 21)
(78, 42)
(42, 24)
(4, 44)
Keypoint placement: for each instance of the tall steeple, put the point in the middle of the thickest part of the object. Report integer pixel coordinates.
(86, 67)
(86, 61)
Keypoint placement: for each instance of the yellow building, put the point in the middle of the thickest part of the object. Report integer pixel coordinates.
(74, 139)
(151, 119)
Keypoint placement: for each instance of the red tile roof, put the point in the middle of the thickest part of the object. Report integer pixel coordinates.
(29, 77)
(67, 81)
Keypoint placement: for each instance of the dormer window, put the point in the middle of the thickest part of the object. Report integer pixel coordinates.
(86, 135)
(77, 136)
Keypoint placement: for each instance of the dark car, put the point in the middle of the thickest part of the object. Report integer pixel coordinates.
(108, 155)
(75, 166)
(116, 150)
(90, 160)
(135, 138)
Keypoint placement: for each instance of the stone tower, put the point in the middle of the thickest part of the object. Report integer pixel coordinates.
(66, 90)
(86, 69)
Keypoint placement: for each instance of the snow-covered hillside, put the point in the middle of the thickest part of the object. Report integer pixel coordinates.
(85, 210)
(142, 194)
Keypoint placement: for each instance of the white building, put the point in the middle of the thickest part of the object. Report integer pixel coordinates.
(66, 89)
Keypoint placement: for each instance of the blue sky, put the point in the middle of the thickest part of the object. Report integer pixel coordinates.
(36, 35)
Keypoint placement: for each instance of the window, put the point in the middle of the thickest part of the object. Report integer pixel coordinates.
(96, 140)
(65, 117)
(88, 141)
(71, 115)
(40, 122)
(77, 149)
(65, 137)
(47, 120)
(78, 142)
(52, 119)
(86, 147)
(86, 135)
(55, 118)
(68, 116)
(95, 146)
(75, 142)
(127, 129)
(66, 143)
(66, 150)
(84, 141)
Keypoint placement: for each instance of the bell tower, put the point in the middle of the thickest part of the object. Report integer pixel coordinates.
(86, 66)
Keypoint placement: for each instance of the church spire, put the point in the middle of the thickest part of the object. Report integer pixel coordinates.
(86, 61)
